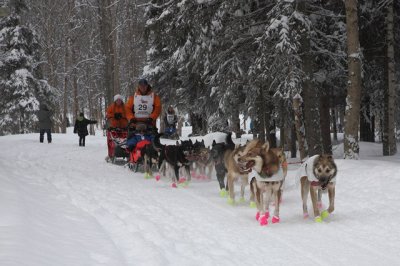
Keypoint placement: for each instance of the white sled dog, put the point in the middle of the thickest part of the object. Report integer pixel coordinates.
(316, 174)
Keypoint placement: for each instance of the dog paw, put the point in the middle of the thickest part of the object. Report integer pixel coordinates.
(324, 214)
(258, 216)
(182, 180)
(318, 219)
(148, 175)
(252, 204)
(222, 193)
(305, 215)
(183, 184)
(174, 185)
(263, 220)
(275, 219)
(158, 177)
(231, 201)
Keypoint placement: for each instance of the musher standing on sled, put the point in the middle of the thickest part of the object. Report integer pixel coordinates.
(142, 111)
(144, 105)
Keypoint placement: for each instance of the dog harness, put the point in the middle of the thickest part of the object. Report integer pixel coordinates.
(279, 176)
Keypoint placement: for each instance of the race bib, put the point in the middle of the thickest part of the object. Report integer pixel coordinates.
(143, 105)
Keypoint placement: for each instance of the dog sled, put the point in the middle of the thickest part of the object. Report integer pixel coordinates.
(116, 144)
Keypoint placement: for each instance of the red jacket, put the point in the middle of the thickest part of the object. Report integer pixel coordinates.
(112, 110)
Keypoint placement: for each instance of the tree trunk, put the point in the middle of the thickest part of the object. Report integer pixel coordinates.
(389, 136)
(180, 125)
(198, 124)
(114, 50)
(352, 114)
(367, 121)
(106, 37)
(293, 148)
(65, 96)
(75, 84)
(325, 125)
(298, 118)
(334, 125)
(162, 124)
(235, 123)
(259, 122)
(311, 99)
(282, 137)
(271, 132)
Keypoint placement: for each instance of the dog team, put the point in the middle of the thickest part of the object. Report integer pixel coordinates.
(254, 164)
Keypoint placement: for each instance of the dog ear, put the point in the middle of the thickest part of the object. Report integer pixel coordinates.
(214, 143)
(177, 143)
(265, 146)
(190, 141)
(202, 141)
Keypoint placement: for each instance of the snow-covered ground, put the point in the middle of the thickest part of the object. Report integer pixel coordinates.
(61, 204)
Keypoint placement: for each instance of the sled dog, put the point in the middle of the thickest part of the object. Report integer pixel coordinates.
(266, 179)
(318, 173)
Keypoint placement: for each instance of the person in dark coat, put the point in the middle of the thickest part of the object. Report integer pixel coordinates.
(45, 123)
(80, 128)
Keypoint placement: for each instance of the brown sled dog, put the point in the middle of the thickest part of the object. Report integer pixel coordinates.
(237, 170)
(234, 172)
(318, 173)
(266, 182)
(283, 163)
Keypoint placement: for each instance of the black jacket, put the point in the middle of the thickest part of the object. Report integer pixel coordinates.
(81, 126)
(44, 116)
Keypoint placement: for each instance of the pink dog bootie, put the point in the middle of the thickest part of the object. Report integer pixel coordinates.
(263, 220)
(158, 177)
(174, 185)
(257, 216)
(275, 219)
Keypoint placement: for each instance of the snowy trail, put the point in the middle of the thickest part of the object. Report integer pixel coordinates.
(92, 213)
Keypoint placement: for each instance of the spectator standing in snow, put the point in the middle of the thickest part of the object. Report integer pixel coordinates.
(44, 116)
(80, 128)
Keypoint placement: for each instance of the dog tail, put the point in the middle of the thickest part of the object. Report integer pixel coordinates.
(229, 142)
(156, 142)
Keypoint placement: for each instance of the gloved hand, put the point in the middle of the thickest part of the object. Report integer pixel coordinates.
(117, 116)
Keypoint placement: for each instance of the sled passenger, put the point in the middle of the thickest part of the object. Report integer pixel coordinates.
(116, 113)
